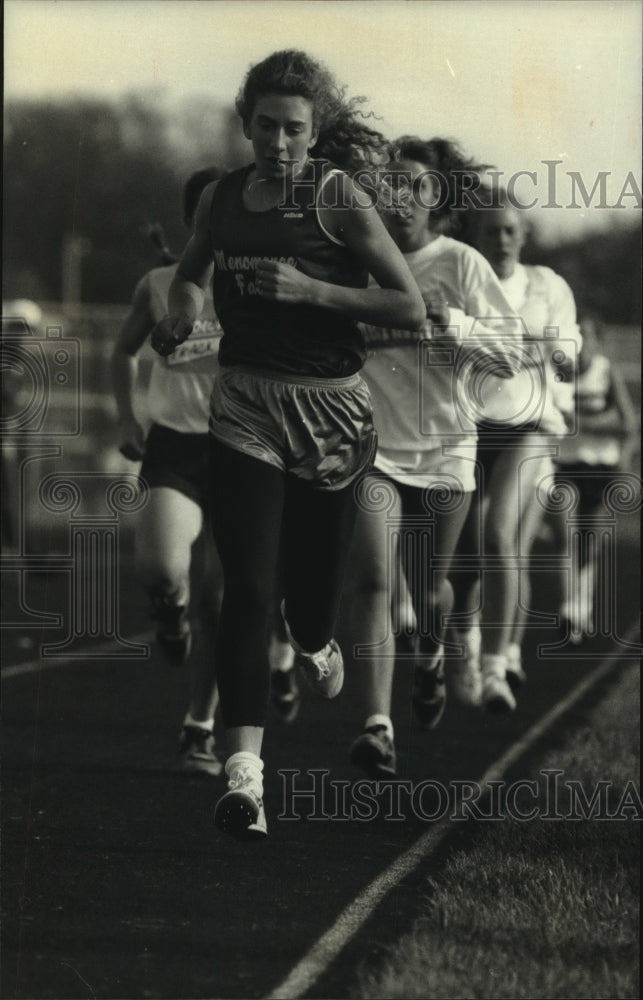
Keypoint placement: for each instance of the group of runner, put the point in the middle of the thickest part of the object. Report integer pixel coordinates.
(361, 411)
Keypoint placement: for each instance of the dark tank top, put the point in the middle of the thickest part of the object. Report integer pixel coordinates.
(259, 333)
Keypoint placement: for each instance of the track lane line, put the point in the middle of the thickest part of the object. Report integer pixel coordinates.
(308, 970)
(48, 663)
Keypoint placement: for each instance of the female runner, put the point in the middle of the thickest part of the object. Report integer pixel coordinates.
(175, 467)
(424, 469)
(514, 450)
(293, 240)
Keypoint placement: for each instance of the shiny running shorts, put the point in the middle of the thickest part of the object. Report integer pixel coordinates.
(320, 430)
(179, 461)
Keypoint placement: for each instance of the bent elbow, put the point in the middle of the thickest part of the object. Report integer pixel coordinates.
(415, 314)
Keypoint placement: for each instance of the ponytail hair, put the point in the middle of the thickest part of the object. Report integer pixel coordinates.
(157, 235)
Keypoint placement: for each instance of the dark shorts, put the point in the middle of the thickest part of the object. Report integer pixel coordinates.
(591, 481)
(493, 441)
(178, 461)
(320, 430)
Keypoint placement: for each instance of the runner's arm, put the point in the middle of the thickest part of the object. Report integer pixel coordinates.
(124, 370)
(186, 295)
(396, 302)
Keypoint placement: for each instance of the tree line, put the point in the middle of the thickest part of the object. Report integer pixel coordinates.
(95, 174)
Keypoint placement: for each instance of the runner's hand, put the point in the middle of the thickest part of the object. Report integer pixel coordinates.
(168, 334)
(132, 437)
(282, 282)
(437, 307)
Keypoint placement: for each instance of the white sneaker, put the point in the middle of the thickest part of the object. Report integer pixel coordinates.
(323, 670)
(497, 696)
(240, 811)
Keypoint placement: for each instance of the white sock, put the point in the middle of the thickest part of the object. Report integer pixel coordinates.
(207, 724)
(245, 758)
(380, 720)
(513, 653)
(493, 665)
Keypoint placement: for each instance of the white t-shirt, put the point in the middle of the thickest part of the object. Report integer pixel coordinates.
(592, 392)
(424, 431)
(180, 385)
(546, 305)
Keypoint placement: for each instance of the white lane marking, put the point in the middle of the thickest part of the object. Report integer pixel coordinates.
(329, 945)
(103, 650)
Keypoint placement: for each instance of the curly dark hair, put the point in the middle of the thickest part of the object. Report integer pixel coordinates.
(456, 172)
(343, 136)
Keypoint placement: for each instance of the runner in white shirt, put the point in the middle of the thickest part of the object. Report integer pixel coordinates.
(590, 461)
(417, 499)
(176, 470)
(519, 421)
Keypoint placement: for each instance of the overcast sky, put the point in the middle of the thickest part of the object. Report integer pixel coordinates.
(516, 81)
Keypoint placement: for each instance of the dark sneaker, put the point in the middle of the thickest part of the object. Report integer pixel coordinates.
(196, 750)
(324, 671)
(497, 696)
(284, 694)
(516, 677)
(374, 752)
(429, 695)
(173, 633)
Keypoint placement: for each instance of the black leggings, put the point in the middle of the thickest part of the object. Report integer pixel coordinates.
(260, 516)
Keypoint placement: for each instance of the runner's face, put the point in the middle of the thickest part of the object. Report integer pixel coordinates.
(408, 223)
(500, 236)
(282, 134)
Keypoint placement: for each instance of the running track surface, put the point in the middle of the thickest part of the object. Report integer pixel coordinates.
(117, 885)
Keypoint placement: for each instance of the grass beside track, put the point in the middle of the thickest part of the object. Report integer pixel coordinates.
(540, 908)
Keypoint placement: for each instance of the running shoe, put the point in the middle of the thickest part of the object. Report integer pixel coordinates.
(284, 694)
(374, 752)
(497, 696)
(515, 675)
(429, 694)
(324, 670)
(240, 811)
(196, 751)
